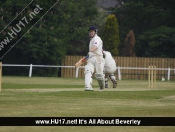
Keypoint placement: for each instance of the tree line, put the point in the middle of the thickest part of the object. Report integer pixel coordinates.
(135, 28)
(152, 26)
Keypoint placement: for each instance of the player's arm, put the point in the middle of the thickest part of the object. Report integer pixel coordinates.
(94, 48)
(91, 52)
(95, 45)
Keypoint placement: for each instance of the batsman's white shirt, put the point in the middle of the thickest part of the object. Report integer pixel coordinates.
(96, 41)
(96, 62)
(110, 64)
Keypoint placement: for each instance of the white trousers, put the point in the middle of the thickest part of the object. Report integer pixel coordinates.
(95, 63)
(110, 69)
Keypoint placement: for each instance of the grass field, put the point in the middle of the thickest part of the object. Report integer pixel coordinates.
(65, 97)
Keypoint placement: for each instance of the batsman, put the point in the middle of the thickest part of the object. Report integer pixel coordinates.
(95, 62)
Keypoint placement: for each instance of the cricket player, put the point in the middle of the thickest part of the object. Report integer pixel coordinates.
(95, 62)
(109, 69)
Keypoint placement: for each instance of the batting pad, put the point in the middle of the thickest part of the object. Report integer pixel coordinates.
(99, 76)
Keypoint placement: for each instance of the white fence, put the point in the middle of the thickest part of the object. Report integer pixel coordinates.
(77, 69)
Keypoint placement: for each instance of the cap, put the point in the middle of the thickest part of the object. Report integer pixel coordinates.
(93, 28)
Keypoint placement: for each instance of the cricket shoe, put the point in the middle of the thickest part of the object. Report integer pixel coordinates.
(101, 88)
(115, 85)
(89, 89)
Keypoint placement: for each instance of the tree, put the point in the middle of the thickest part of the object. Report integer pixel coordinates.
(41, 45)
(129, 44)
(82, 45)
(159, 42)
(110, 35)
(143, 16)
(48, 41)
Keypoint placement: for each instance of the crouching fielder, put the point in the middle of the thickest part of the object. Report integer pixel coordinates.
(109, 69)
(95, 61)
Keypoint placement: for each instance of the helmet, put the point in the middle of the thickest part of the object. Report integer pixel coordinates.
(93, 28)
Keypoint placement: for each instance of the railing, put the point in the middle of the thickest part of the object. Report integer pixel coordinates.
(134, 68)
(138, 68)
(118, 69)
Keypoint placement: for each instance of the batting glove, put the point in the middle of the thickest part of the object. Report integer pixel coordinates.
(90, 54)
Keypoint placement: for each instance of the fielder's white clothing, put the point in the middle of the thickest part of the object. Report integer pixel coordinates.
(95, 62)
(109, 69)
(110, 64)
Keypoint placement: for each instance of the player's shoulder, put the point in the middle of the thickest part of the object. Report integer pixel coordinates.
(97, 37)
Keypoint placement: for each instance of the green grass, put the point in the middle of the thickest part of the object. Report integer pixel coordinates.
(65, 97)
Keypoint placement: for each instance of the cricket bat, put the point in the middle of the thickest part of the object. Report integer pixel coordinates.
(81, 61)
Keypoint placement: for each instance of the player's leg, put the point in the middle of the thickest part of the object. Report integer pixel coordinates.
(113, 79)
(111, 72)
(106, 81)
(89, 69)
(106, 77)
(99, 72)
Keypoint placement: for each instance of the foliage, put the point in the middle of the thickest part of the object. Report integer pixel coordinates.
(159, 42)
(129, 44)
(82, 45)
(49, 40)
(142, 16)
(110, 35)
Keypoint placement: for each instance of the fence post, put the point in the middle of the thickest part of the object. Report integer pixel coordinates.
(168, 78)
(76, 74)
(30, 71)
(119, 73)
